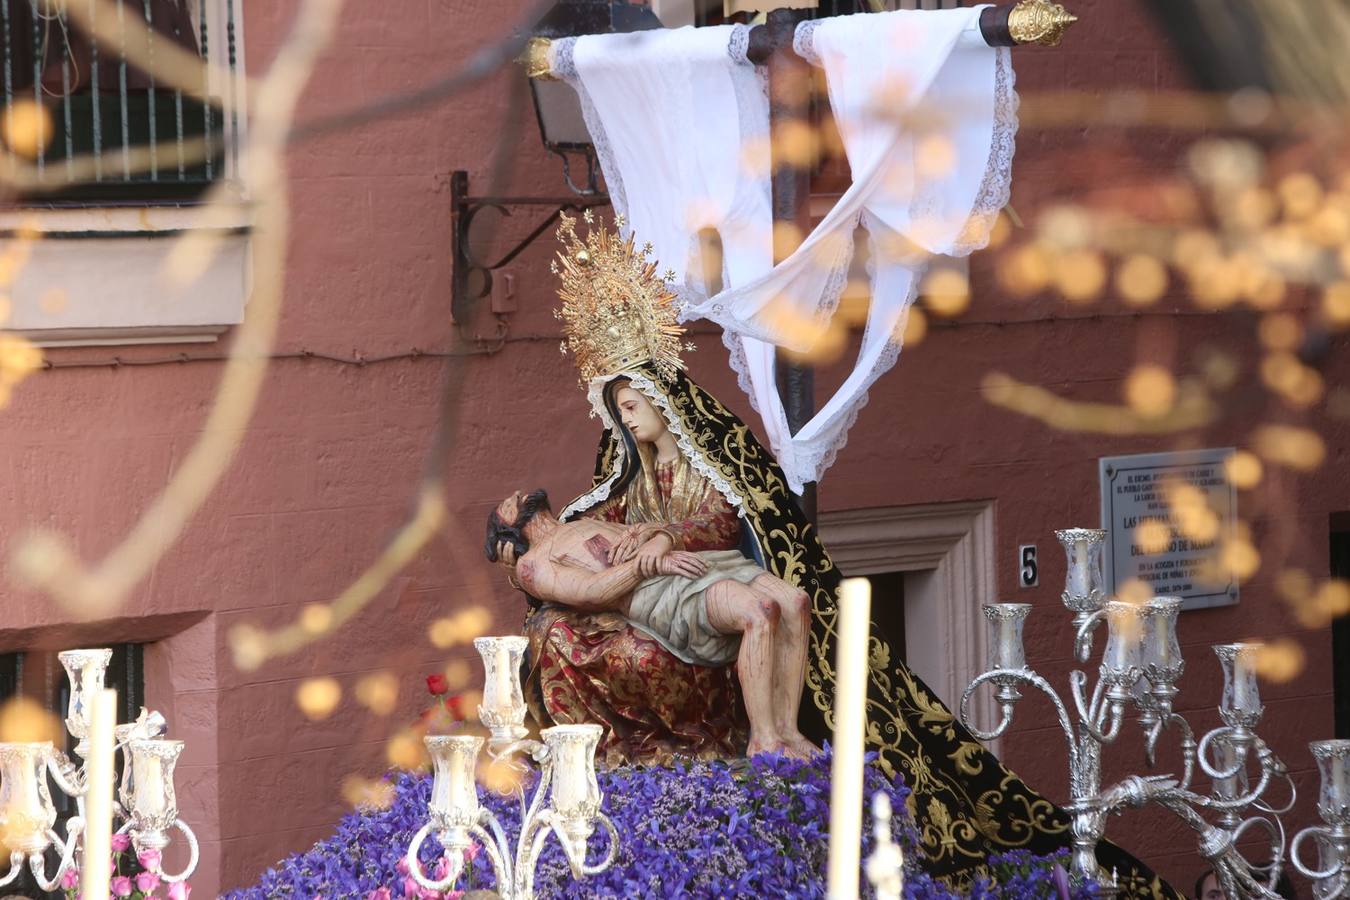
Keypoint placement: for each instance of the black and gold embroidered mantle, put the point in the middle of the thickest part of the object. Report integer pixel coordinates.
(965, 803)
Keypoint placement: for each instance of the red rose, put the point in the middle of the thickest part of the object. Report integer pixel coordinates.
(437, 684)
(455, 706)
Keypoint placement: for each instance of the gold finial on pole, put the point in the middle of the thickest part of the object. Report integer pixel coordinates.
(535, 59)
(1039, 22)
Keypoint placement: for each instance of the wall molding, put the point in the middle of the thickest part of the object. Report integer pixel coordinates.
(948, 554)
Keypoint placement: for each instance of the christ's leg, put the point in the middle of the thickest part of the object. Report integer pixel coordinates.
(737, 608)
(790, 648)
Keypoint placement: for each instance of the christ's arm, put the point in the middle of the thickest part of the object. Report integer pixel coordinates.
(578, 588)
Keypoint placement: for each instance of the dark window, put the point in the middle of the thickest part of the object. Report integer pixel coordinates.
(888, 610)
(1340, 628)
(39, 675)
(115, 134)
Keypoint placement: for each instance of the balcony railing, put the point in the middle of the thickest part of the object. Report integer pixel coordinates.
(113, 135)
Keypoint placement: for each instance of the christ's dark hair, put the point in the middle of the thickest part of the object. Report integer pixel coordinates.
(514, 532)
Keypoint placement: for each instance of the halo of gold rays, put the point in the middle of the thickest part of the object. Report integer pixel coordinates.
(617, 313)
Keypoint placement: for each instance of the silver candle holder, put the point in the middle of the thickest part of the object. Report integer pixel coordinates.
(1331, 877)
(148, 804)
(86, 670)
(1140, 666)
(27, 814)
(152, 802)
(1084, 586)
(566, 799)
(503, 706)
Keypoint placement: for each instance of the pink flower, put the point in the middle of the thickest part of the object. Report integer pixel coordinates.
(71, 879)
(453, 895)
(121, 886)
(146, 882)
(121, 843)
(402, 865)
(471, 852)
(149, 860)
(411, 888)
(379, 894)
(442, 869)
(179, 890)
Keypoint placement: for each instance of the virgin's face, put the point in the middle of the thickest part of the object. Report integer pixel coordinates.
(639, 416)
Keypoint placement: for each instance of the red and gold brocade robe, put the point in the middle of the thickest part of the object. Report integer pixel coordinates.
(596, 667)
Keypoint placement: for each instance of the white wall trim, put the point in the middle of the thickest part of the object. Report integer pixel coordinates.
(947, 552)
(103, 275)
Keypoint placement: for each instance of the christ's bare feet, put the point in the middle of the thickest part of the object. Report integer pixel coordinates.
(798, 747)
(764, 744)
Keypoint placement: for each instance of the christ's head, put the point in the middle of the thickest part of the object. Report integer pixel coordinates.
(506, 523)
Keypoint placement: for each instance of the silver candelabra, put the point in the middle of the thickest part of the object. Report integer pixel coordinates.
(1141, 664)
(148, 807)
(566, 763)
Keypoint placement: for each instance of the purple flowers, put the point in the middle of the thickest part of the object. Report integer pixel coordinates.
(698, 830)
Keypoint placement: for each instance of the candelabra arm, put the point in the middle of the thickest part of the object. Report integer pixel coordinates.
(1093, 715)
(1218, 846)
(1337, 868)
(496, 847)
(537, 750)
(1240, 745)
(1188, 746)
(15, 867)
(194, 852)
(37, 864)
(1007, 710)
(1008, 677)
(527, 854)
(1082, 642)
(66, 774)
(1270, 766)
(414, 862)
(609, 857)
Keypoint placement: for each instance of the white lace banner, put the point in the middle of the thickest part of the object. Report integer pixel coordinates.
(927, 114)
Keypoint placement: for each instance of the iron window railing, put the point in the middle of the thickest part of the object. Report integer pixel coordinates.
(113, 134)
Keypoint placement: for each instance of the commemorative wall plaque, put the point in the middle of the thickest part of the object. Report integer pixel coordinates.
(1186, 506)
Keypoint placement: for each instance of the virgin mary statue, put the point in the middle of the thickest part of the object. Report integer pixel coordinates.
(619, 322)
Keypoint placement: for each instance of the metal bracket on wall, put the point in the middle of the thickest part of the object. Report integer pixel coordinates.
(471, 280)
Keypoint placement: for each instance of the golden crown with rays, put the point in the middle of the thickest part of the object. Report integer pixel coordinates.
(617, 313)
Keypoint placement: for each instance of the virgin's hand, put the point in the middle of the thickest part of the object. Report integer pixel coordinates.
(682, 562)
(506, 554)
(651, 552)
(628, 545)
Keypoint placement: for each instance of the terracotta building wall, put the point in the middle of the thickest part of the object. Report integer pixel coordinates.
(327, 467)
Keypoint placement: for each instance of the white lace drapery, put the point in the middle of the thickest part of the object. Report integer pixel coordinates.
(927, 114)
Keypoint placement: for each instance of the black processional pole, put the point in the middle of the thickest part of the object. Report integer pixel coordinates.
(789, 117)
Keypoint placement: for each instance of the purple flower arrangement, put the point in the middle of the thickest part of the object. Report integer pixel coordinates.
(687, 831)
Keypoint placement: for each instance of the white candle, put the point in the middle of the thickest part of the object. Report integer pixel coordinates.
(1244, 684)
(569, 776)
(505, 693)
(850, 709)
(147, 778)
(1079, 582)
(98, 800)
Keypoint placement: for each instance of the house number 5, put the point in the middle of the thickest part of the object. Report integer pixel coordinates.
(1028, 573)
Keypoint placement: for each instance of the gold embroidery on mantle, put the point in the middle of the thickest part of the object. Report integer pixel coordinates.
(965, 804)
